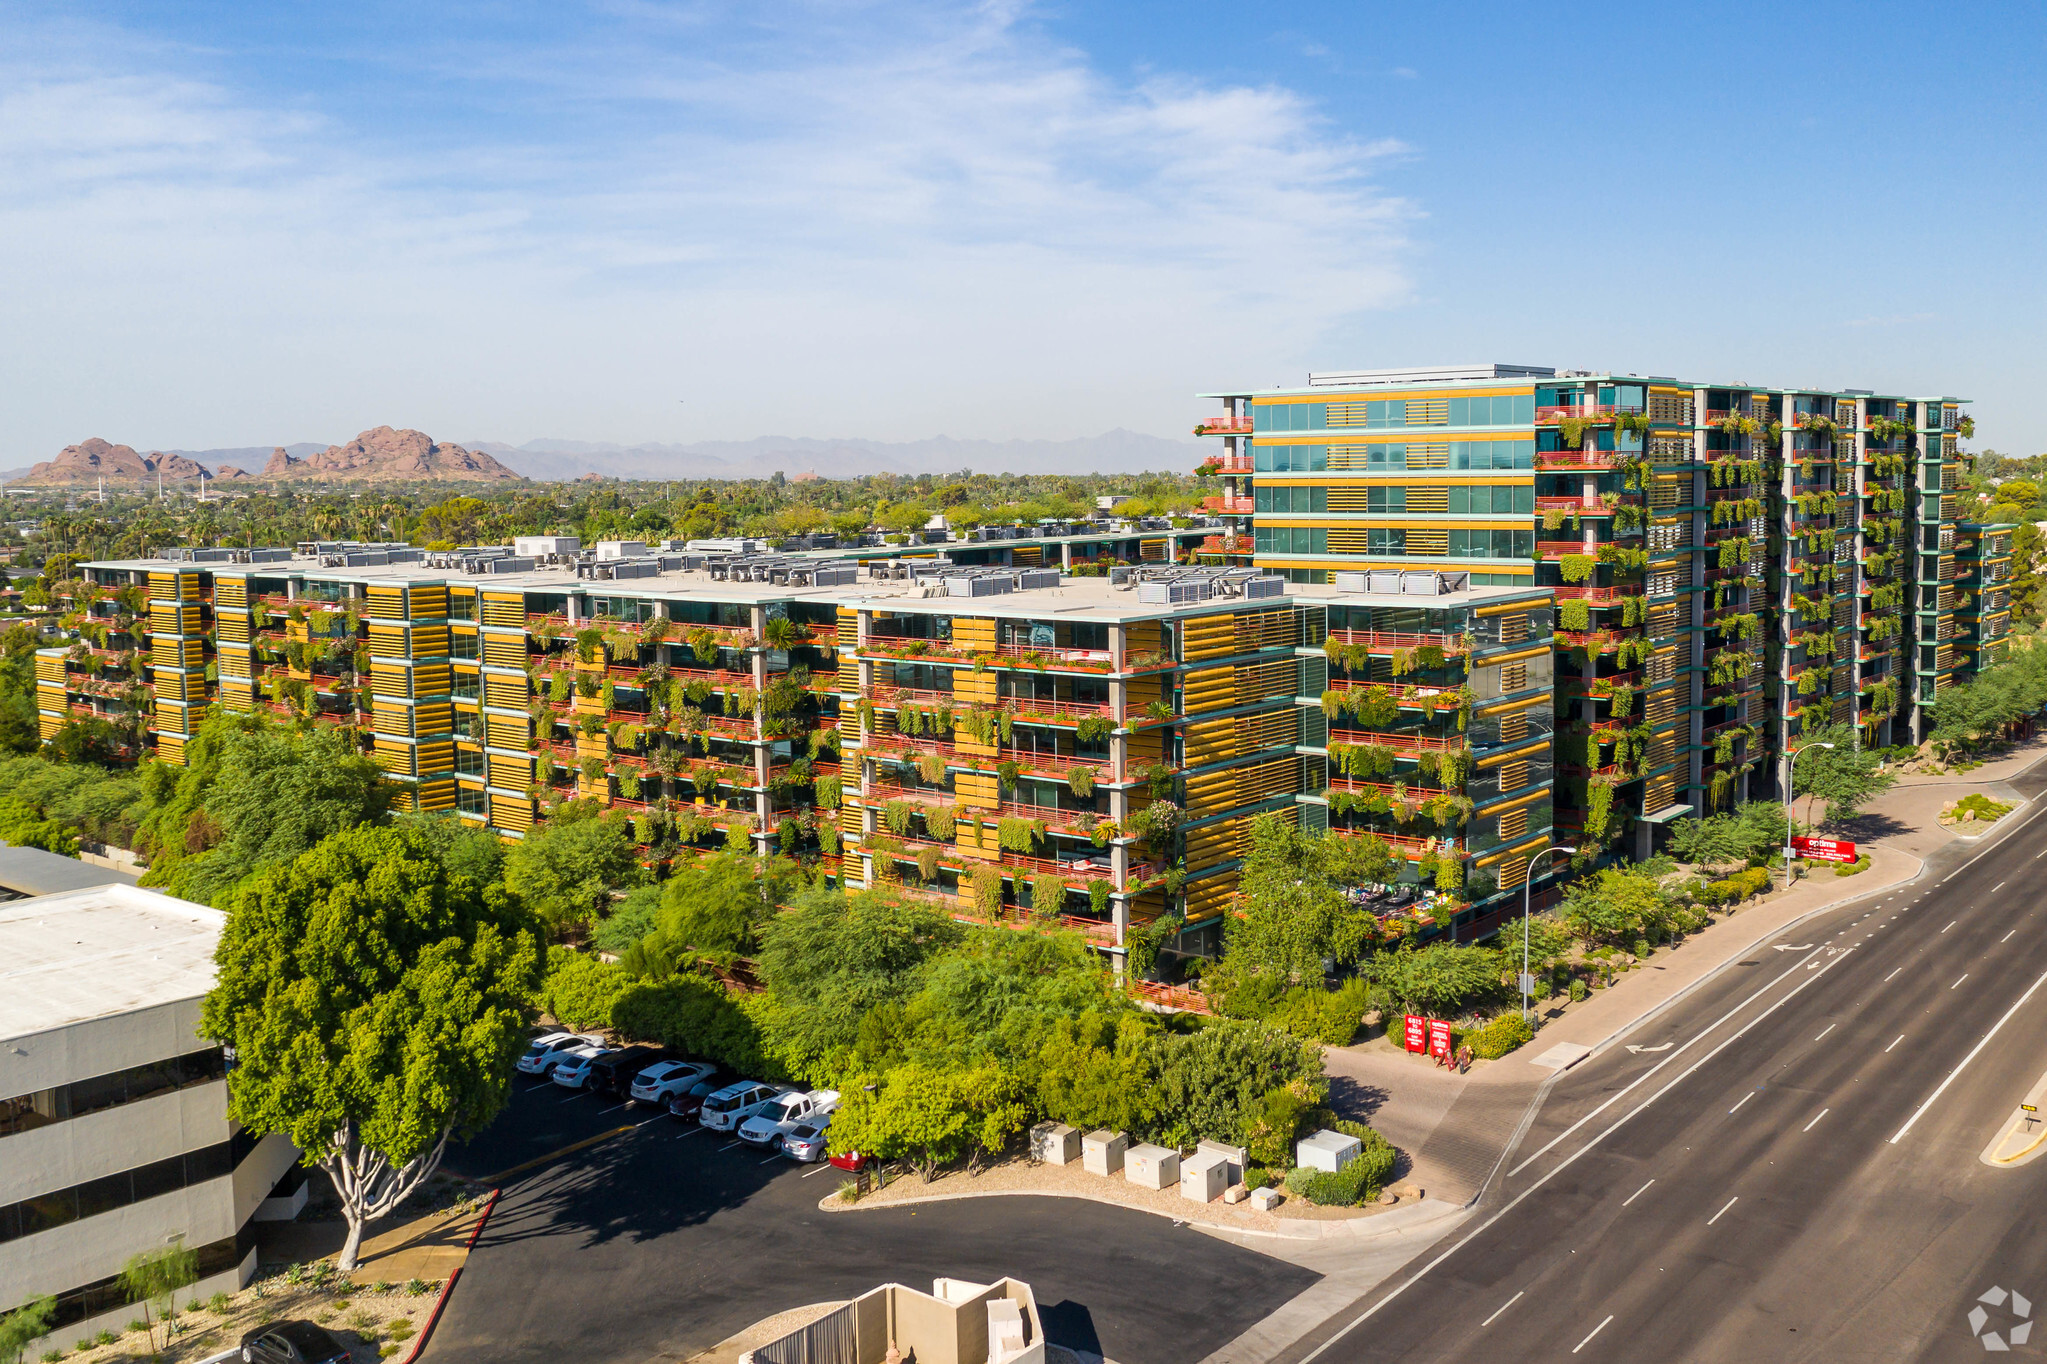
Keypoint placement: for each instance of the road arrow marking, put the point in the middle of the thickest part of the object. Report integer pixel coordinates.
(1665, 1047)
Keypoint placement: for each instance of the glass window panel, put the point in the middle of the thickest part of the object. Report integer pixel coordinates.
(1461, 498)
(158, 1178)
(48, 1210)
(1261, 498)
(100, 1092)
(105, 1194)
(1524, 409)
(1460, 412)
(212, 1162)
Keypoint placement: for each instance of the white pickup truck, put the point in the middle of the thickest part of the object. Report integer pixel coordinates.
(768, 1126)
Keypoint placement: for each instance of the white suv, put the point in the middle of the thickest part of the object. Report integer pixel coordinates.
(734, 1104)
(783, 1116)
(664, 1080)
(547, 1051)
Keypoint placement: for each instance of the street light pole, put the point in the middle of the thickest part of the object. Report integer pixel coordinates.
(1791, 794)
(1548, 852)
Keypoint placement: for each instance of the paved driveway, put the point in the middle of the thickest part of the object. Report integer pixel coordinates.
(663, 1241)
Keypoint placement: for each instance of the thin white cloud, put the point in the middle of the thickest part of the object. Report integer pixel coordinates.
(883, 221)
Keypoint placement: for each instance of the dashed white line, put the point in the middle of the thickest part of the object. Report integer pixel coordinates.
(1631, 1198)
(1816, 1121)
(1723, 1212)
(1973, 1053)
(1503, 1307)
(1996, 888)
(1951, 924)
(1959, 979)
(1829, 1028)
(2007, 937)
(1744, 1099)
(1900, 1038)
(1595, 1331)
(1887, 979)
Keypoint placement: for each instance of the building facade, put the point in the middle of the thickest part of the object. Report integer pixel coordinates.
(114, 1135)
(1734, 565)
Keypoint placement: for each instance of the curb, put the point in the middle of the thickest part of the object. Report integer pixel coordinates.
(1376, 1223)
(433, 1318)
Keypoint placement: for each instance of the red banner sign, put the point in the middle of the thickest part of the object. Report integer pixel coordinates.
(1439, 1037)
(1416, 1034)
(1823, 849)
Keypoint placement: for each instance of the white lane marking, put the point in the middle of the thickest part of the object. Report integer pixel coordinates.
(1951, 875)
(1811, 959)
(1571, 1159)
(1973, 1052)
(1742, 1100)
(1829, 1028)
(613, 1109)
(2038, 855)
(1951, 924)
(1723, 1212)
(1502, 1307)
(1900, 1037)
(571, 1099)
(1816, 1121)
(691, 1133)
(1595, 1331)
(2007, 937)
(772, 1159)
(1959, 979)
(1996, 888)
(1632, 1197)
(1887, 979)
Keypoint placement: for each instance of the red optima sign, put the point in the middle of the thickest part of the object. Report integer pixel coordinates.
(1823, 849)
(1439, 1037)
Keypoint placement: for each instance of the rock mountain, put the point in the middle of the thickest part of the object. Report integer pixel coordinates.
(379, 455)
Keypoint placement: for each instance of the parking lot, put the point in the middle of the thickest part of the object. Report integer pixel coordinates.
(663, 1240)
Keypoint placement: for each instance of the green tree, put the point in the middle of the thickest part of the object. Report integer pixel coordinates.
(26, 1323)
(567, 868)
(1293, 914)
(153, 1279)
(832, 957)
(1212, 1083)
(1436, 979)
(1845, 776)
(1616, 905)
(930, 1116)
(376, 1005)
(1096, 1071)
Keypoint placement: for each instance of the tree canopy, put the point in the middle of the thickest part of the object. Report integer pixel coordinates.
(1846, 776)
(376, 1004)
(566, 868)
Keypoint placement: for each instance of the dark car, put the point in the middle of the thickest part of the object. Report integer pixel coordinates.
(687, 1104)
(292, 1342)
(614, 1074)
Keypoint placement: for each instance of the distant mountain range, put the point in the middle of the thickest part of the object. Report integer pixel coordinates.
(384, 455)
(1114, 452)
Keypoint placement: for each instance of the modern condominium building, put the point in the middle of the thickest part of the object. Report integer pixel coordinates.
(1734, 564)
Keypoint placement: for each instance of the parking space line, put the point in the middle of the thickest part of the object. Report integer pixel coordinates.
(693, 1132)
(772, 1159)
(822, 1167)
(613, 1109)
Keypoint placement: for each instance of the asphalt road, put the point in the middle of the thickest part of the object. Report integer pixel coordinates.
(662, 1241)
(1787, 1170)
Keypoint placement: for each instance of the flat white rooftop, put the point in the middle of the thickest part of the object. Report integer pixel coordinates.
(86, 954)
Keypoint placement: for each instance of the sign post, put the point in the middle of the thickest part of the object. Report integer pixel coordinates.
(1823, 849)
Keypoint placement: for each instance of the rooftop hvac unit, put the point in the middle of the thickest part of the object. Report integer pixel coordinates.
(1170, 593)
(510, 564)
(407, 556)
(1386, 580)
(1031, 579)
(835, 575)
(1119, 577)
(1430, 583)
(541, 546)
(366, 559)
(1353, 582)
(1265, 587)
(976, 587)
(213, 556)
(269, 556)
(619, 549)
(635, 568)
(671, 563)
(178, 556)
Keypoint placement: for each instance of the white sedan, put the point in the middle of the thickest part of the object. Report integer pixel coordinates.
(573, 1070)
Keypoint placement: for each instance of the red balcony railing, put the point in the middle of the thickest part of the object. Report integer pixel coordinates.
(1557, 549)
(1550, 416)
(1225, 426)
(1231, 506)
(1574, 459)
(1389, 640)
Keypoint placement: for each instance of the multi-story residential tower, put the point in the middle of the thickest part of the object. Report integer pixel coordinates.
(1734, 564)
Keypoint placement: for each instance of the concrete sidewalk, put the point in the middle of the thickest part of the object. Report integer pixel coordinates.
(431, 1247)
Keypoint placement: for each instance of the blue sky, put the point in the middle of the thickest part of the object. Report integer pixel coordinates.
(231, 224)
